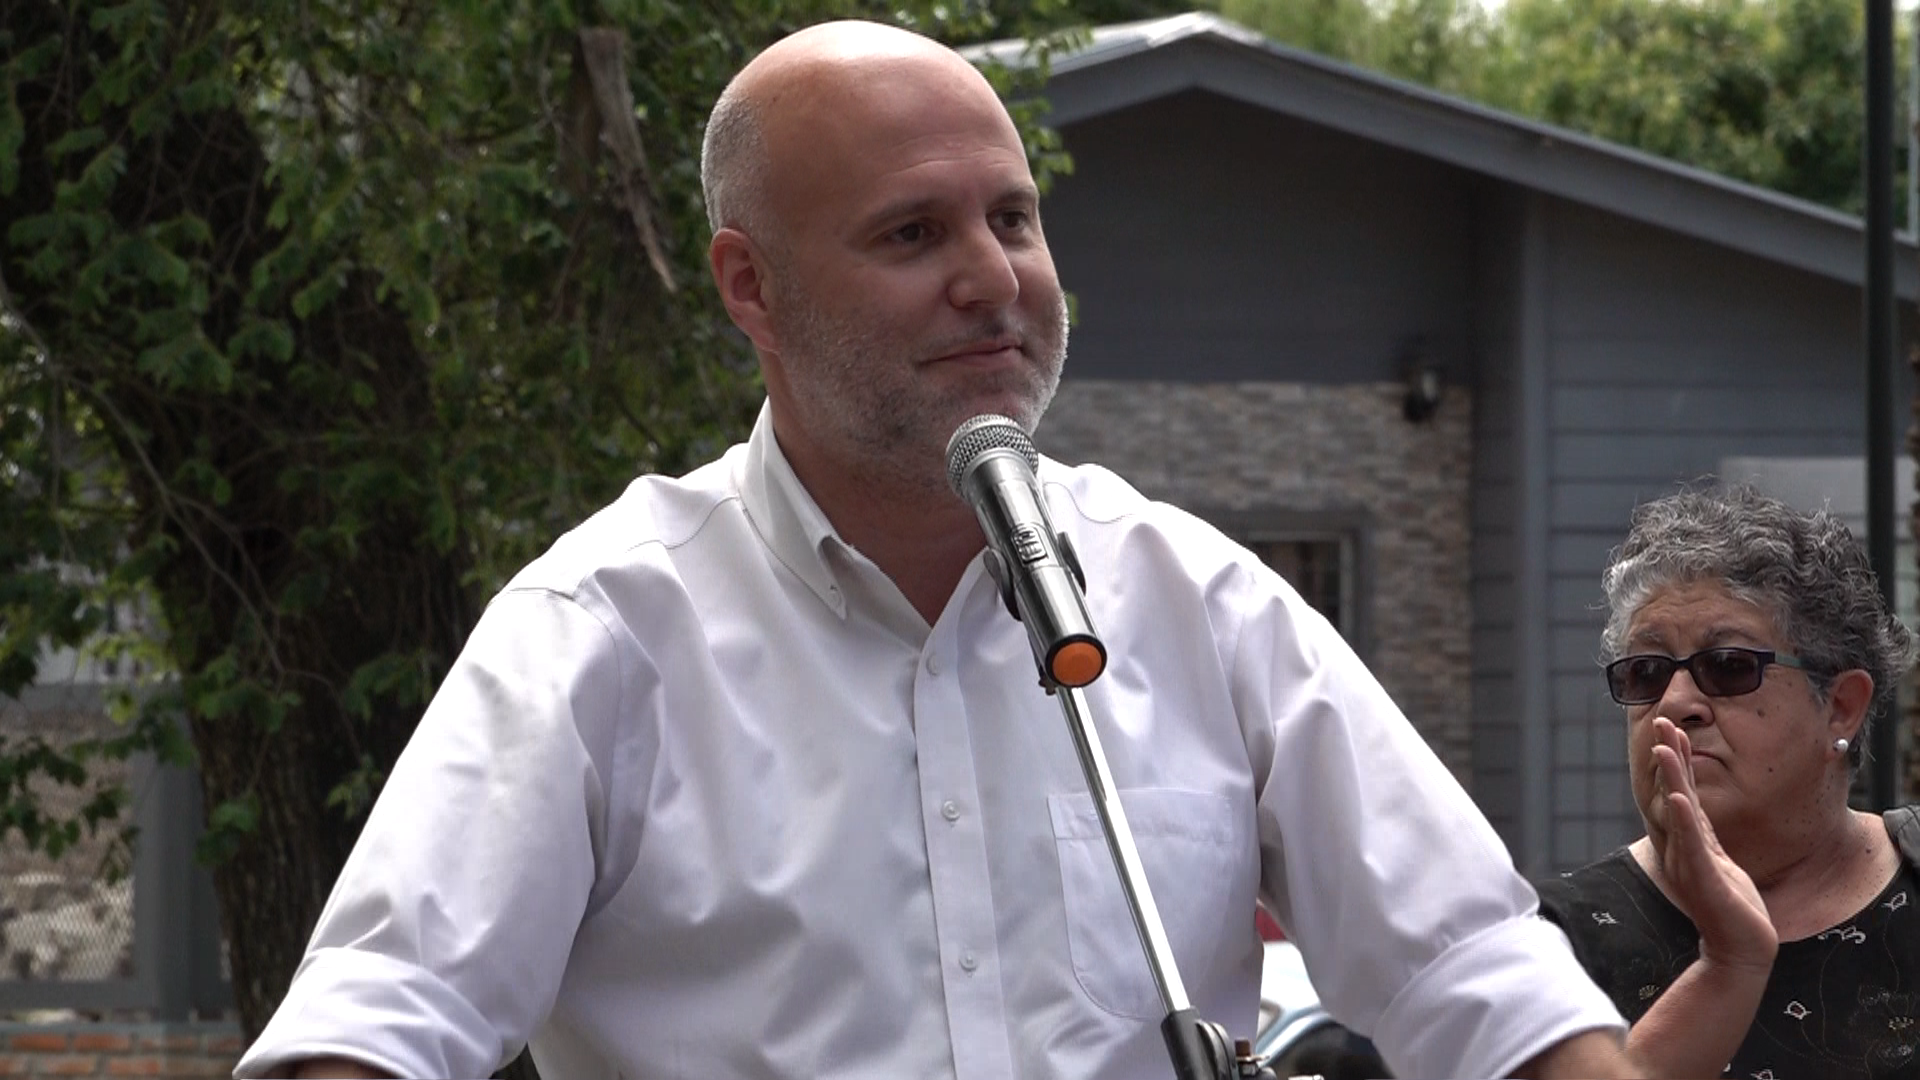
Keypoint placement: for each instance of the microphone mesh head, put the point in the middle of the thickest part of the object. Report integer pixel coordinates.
(988, 431)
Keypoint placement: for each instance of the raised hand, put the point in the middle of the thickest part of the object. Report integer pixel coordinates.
(1696, 872)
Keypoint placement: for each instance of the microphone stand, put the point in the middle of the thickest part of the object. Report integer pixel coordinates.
(1199, 1048)
(992, 465)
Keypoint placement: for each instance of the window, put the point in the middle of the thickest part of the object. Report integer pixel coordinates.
(1320, 568)
(1322, 554)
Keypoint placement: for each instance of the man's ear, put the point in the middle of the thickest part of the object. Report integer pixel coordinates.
(1848, 698)
(739, 272)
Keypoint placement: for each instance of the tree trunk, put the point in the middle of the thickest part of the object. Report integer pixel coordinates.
(229, 564)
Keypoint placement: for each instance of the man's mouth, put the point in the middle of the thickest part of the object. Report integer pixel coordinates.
(983, 350)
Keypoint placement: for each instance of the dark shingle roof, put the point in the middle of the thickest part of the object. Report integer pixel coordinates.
(1131, 63)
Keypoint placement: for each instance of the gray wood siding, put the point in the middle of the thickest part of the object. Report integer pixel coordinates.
(1666, 354)
(1251, 246)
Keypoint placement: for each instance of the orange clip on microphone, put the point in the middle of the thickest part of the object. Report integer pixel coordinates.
(1077, 663)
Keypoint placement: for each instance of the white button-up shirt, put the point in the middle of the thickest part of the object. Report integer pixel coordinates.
(704, 796)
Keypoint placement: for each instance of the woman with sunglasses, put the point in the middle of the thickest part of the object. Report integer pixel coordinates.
(1761, 927)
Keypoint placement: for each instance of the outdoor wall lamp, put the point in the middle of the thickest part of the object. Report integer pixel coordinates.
(1422, 376)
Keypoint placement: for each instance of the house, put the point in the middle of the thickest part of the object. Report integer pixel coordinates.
(1426, 357)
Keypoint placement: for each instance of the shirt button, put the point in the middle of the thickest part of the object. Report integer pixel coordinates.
(950, 810)
(933, 664)
(968, 961)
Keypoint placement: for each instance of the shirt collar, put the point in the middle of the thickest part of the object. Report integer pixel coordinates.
(791, 524)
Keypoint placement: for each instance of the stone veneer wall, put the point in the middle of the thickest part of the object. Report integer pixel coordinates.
(1290, 449)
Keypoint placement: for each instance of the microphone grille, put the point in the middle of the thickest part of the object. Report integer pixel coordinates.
(988, 431)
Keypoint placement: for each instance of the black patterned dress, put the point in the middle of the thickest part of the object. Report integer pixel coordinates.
(1843, 1003)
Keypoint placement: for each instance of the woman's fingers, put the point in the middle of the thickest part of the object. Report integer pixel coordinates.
(1672, 773)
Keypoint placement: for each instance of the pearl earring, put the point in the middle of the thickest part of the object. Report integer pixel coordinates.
(1840, 746)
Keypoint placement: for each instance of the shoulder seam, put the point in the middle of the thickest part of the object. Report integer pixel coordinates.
(572, 590)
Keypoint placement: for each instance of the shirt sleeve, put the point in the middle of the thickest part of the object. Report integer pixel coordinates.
(447, 933)
(1413, 923)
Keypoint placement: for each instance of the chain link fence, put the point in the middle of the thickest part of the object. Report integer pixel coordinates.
(107, 930)
(68, 917)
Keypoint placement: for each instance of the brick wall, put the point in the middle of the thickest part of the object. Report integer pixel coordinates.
(178, 1051)
(1292, 448)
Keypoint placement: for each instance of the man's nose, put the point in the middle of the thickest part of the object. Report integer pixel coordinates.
(985, 275)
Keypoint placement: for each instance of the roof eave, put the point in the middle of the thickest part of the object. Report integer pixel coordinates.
(1140, 62)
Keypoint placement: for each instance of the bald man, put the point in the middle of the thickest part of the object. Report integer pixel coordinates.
(749, 775)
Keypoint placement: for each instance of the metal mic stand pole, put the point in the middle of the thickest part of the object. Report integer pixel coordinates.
(1199, 1048)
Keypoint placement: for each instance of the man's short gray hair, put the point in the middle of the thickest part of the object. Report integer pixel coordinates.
(733, 164)
(1804, 570)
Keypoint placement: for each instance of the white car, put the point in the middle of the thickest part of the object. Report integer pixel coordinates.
(1296, 1036)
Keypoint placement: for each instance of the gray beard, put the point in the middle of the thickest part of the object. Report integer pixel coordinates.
(891, 438)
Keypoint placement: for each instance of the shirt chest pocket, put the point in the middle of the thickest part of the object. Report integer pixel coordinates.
(1191, 845)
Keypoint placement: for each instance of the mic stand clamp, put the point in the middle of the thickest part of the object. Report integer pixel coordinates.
(1199, 1048)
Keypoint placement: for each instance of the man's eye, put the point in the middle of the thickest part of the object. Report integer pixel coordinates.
(1014, 219)
(912, 233)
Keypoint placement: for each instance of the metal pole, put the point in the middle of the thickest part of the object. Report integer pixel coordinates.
(1913, 144)
(1198, 1048)
(1884, 776)
(1126, 856)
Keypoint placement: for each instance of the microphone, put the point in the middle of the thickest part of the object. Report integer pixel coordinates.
(992, 464)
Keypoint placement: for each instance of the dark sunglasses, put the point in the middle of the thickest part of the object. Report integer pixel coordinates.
(1725, 671)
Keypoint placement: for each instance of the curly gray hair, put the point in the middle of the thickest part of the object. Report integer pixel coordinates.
(1805, 570)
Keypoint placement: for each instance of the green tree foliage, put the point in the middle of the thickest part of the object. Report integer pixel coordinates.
(317, 319)
(1771, 93)
(1436, 42)
(1765, 91)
